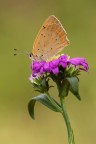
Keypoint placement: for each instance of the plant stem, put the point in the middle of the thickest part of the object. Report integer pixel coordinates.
(66, 118)
(52, 101)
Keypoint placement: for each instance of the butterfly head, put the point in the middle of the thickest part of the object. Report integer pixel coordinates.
(30, 55)
(33, 57)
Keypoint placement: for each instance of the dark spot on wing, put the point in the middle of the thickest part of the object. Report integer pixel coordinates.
(42, 34)
(51, 48)
(44, 27)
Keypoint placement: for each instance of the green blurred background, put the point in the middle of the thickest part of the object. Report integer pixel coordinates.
(20, 21)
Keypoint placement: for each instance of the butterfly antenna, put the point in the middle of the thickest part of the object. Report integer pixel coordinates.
(18, 52)
(15, 52)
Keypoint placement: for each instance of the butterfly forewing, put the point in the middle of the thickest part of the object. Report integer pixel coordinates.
(51, 39)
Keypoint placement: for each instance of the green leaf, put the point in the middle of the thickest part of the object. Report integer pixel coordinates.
(74, 88)
(45, 101)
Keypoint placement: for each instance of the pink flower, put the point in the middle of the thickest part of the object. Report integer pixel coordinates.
(41, 67)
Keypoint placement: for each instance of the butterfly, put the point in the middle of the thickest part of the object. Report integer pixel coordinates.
(51, 39)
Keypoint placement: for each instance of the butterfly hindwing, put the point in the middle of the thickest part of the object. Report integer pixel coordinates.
(51, 39)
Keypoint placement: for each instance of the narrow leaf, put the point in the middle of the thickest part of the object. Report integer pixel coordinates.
(45, 101)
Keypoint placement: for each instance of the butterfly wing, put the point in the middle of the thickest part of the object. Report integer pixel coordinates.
(51, 39)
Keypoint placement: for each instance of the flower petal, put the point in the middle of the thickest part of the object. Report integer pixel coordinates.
(55, 70)
(79, 62)
(63, 61)
(63, 64)
(36, 66)
(54, 63)
(41, 70)
(47, 67)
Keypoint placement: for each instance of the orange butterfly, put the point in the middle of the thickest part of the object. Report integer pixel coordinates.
(51, 39)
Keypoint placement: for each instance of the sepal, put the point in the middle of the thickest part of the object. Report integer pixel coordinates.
(74, 87)
(40, 84)
(64, 89)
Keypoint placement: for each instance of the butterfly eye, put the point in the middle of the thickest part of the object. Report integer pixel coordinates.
(30, 55)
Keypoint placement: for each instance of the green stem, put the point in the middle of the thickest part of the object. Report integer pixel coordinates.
(66, 118)
(52, 101)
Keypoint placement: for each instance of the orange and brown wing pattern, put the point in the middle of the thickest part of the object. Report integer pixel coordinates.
(51, 39)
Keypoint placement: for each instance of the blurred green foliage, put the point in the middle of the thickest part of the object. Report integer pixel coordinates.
(20, 21)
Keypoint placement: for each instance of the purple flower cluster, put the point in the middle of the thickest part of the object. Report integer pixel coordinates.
(41, 67)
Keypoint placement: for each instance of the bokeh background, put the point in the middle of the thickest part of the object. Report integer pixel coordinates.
(20, 21)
